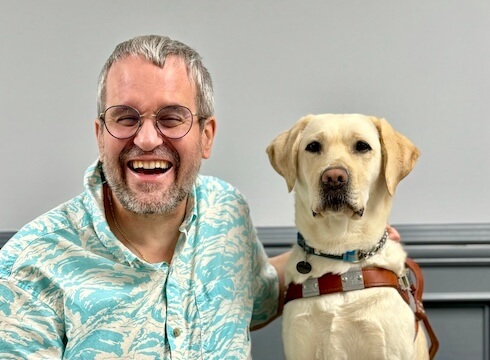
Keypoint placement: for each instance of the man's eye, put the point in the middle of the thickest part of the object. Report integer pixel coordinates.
(313, 147)
(362, 146)
(127, 121)
(169, 121)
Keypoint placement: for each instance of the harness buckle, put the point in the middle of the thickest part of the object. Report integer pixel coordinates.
(405, 282)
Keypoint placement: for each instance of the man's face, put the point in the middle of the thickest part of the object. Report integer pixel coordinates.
(171, 165)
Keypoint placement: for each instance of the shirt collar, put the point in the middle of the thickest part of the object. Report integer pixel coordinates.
(191, 208)
(94, 204)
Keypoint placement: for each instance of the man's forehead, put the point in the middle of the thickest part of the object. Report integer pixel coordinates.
(133, 63)
(137, 70)
(139, 83)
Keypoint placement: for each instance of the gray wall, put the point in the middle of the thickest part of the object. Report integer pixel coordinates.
(423, 65)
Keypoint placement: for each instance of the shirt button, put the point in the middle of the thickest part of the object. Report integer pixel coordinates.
(177, 332)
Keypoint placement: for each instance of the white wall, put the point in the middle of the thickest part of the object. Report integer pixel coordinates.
(423, 65)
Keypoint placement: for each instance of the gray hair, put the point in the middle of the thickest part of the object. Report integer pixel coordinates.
(156, 48)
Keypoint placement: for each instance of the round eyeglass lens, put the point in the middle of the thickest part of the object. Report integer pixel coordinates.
(122, 122)
(174, 121)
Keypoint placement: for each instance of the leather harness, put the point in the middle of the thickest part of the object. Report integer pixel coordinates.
(372, 277)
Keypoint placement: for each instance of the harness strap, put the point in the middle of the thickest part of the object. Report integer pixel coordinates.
(417, 290)
(358, 279)
(332, 283)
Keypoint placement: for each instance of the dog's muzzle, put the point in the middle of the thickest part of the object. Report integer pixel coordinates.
(335, 191)
(334, 185)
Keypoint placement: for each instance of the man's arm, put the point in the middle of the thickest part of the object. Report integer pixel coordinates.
(28, 327)
(279, 263)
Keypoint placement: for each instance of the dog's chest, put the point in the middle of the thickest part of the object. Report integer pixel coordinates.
(341, 325)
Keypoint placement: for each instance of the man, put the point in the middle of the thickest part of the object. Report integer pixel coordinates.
(152, 260)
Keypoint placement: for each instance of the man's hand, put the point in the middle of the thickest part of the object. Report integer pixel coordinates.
(392, 233)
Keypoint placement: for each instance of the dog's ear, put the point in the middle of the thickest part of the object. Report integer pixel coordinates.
(283, 152)
(399, 154)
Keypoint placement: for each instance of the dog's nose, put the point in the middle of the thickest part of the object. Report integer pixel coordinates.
(335, 177)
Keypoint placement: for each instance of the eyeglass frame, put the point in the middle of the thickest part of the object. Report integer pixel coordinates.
(154, 115)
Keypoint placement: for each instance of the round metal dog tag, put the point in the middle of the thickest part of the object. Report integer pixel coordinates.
(303, 267)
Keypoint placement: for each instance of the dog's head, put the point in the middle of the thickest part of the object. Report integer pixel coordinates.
(337, 162)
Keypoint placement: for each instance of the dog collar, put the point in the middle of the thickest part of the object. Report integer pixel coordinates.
(352, 256)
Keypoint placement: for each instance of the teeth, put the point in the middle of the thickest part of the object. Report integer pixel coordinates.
(150, 165)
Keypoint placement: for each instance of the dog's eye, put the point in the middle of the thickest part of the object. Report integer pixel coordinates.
(313, 147)
(362, 146)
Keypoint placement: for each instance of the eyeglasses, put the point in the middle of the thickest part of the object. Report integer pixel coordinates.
(124, 122)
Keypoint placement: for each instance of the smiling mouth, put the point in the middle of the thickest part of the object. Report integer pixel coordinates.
(153, 167)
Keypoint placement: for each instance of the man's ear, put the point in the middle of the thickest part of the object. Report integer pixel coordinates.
(283, 152)
(98, 135)
(207, 136)
(399, 154)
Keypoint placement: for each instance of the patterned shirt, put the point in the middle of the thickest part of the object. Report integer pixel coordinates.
(69, 289)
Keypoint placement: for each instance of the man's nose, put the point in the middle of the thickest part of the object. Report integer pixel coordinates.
(148, 136)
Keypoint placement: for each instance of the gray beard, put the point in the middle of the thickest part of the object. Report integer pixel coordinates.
(165, 204)
(168, 202)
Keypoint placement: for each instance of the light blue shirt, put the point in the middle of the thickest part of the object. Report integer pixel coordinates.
(69, 289)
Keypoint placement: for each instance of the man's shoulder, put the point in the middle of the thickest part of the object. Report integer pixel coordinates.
(66, 215)
(45, 231)
(213, 181)
(215, 191)
(212, 184)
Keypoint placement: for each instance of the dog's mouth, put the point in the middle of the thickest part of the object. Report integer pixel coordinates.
(355, 213)
(338, 202)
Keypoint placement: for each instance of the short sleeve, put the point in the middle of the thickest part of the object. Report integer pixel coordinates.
(29, 329)
(265, 285)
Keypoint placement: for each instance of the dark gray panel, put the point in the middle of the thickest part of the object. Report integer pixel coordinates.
(267, 342)
(462, 330)
(412, 234)
(4, 236)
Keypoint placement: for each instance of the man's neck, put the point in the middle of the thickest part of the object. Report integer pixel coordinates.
(153, 237)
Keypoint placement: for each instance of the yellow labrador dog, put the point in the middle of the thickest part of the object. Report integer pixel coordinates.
(344, 170)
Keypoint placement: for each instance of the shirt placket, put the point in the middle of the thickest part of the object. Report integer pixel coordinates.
(177, 294)
(175, 326)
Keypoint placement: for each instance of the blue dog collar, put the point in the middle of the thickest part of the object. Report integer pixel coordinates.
(352, 256)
